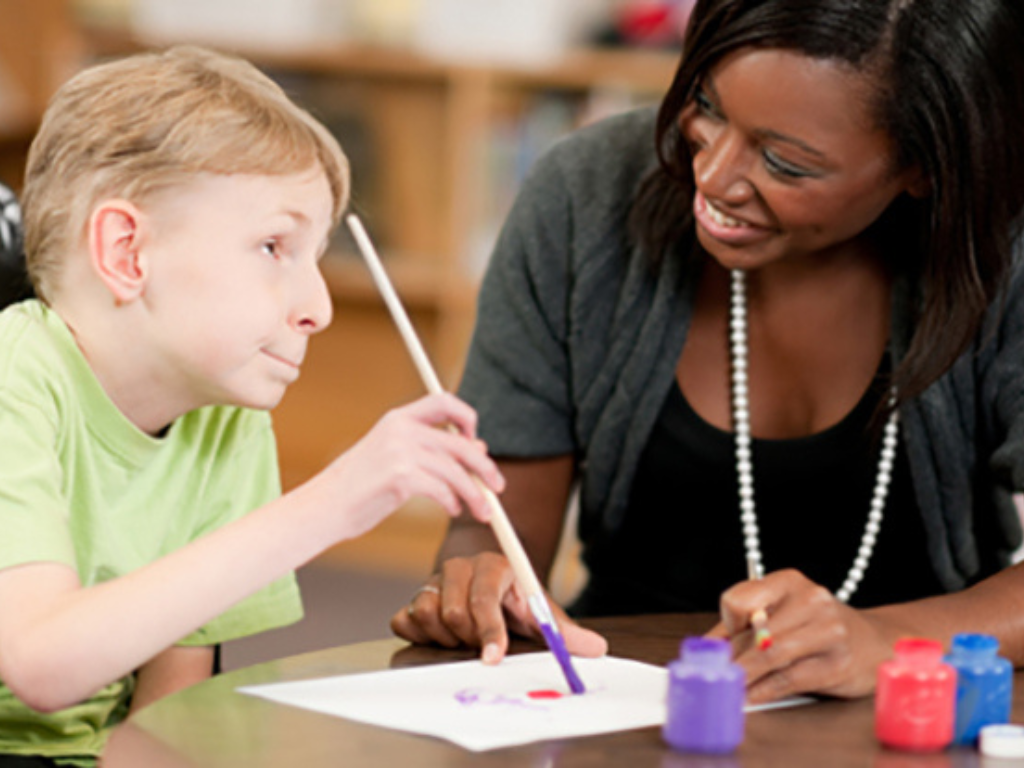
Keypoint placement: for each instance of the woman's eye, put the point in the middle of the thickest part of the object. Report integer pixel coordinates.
(779, 167)
(271, 248)
(704, 104)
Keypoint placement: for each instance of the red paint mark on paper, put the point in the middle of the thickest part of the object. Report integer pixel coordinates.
(544, 694)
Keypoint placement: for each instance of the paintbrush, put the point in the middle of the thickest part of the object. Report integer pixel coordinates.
(759, 618)
(503, 531)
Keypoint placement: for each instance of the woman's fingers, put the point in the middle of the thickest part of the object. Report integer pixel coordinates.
(476, 602)
(465, 609)
(579, 641)
(819, 645)
(490, 591)
(423, 617)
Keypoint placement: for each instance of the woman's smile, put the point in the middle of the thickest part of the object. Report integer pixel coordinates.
(725, 228)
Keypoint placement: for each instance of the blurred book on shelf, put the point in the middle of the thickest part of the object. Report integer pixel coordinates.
(272, 23)
(520, 31)
(519, 134)
(524, 32)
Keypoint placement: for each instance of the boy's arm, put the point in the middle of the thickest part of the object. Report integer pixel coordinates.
(176, 668)
(56, 642)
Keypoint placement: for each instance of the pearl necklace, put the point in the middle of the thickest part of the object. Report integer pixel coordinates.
(744, 460)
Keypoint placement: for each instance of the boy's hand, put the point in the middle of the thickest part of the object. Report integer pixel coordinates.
(427, 448)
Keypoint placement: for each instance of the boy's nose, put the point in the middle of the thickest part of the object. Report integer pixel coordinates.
(315, 307)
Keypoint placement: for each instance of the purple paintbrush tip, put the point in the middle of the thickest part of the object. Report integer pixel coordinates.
(557, 645)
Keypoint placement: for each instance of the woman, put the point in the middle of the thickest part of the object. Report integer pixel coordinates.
(785, 339)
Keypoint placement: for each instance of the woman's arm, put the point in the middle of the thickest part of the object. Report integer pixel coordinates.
(536, 498)
(476, 602)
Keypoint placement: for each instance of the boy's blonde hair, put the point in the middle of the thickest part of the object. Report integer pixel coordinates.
(150, 121)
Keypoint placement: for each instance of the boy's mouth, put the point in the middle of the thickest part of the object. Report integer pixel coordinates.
(284, 360)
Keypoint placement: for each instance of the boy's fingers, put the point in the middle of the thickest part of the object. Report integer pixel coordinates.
(442, 477)
(472, 457)
(444, 408)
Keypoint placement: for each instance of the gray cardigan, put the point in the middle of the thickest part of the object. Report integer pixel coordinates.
(576, 346)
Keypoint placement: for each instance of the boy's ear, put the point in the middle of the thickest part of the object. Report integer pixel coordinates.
(115, 238)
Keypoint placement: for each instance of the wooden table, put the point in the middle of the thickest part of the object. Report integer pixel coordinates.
(212, 726)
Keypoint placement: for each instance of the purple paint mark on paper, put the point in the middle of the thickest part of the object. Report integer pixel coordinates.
(475, 696)
(557, 646)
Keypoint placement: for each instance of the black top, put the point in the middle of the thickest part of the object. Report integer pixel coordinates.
(681, 543)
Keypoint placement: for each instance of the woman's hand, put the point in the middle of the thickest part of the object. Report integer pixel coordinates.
(819, 645)
(475, 601)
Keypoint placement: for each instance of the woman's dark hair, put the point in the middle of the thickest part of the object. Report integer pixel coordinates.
(949, 90)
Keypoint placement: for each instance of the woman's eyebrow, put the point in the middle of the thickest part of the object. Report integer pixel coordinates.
(776, 136)
(766, 133)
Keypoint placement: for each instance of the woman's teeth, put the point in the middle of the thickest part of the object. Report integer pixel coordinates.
(720, 218)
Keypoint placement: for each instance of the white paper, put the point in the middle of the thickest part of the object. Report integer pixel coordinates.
(482, 707)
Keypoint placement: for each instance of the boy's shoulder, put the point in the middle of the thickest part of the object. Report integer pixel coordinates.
(30, 343)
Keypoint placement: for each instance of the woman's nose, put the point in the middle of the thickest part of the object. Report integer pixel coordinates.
(720, 167)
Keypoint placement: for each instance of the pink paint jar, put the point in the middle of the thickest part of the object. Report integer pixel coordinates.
(915, 702)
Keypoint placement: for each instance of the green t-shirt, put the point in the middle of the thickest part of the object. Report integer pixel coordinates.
(81, 485)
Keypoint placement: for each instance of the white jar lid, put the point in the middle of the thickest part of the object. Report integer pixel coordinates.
(1002, 740)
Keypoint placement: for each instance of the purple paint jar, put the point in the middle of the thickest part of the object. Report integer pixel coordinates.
(706, 692)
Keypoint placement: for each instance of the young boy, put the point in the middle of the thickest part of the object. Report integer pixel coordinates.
(176, 207)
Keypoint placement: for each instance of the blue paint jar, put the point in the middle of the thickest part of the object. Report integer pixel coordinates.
(706, 694)
(984, 688)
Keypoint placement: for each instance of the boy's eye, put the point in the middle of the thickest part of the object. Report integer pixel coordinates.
(271, 248)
